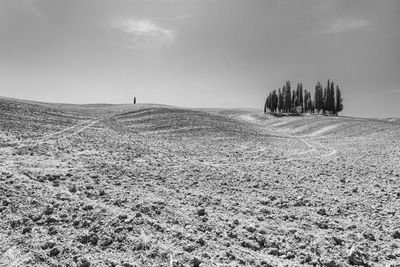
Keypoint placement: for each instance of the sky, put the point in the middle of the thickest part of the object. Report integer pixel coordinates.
(200, 53)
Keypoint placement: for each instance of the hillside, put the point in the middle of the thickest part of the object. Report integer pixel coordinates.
(153, 185)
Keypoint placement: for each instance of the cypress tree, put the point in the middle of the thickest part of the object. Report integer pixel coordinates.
(301, 96)
(305, 101)
(265, 105)
(324, 101)
(318, 98)
(329, 99)
(284, 98)
(312, 106)
(270, 101)
(316, 95)
(288, 99)
(309, 104)
(339, 100)
(274, 101)
(333, 105)
(293, 104)
(280, 100)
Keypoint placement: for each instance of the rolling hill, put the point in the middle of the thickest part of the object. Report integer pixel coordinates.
(156, 185)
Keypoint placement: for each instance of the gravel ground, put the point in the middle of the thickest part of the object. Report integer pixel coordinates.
(151, 185)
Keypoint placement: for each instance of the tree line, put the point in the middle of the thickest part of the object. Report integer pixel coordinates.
(328, 99)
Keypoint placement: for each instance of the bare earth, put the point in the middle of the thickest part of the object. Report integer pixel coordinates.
(152, 185)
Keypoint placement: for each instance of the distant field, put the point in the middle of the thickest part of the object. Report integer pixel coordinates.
(155, 185)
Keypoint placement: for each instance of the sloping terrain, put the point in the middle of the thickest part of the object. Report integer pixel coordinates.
(151, 185)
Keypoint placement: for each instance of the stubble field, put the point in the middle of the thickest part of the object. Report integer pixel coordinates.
(153, 185)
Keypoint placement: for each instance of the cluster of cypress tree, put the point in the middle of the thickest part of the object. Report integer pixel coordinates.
(328, 100)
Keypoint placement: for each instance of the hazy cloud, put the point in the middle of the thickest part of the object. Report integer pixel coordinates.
(343, 25)
(144, 33)
(31, 6)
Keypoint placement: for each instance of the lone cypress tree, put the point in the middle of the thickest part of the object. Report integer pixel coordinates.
(134, 100)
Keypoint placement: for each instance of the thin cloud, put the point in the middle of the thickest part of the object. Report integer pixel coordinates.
(31, 6)
(144, 33)
(344, 25)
